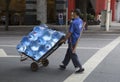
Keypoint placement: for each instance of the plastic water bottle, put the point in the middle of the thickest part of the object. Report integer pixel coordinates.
(48, 46)
(41, 51)
(39, 30)
(56, 36)
(29, 52)
(34, 46)
(37, 56)
(41, 41)
(47, 35)
(52, 43)
(36, 29)
(33, 36)
(25, 41)
(21, 48)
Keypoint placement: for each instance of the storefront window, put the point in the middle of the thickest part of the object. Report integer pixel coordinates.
(50, 11)
(16, 11)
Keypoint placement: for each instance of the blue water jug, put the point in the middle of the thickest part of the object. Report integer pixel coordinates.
(25, 41)
(21, 48)
(47, 35)
(52, 42)
(48, 46)
(38, 55)
(41, 51)
(33, 36)
(41, 41)
(34, 46)
(29, 52)
(56, 36)
(39, 30)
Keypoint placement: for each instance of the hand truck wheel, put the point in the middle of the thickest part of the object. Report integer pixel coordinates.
(34, 66)
(45, 62)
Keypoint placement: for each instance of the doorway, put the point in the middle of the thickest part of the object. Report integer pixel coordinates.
(51, 11)
(16, 11)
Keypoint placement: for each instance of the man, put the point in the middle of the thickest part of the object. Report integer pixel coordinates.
(73, 37)
(99, 18)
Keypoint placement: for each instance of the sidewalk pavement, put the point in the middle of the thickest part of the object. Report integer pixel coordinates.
(114, 28)
(24, 29)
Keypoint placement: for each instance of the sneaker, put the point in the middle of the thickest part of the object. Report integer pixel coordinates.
(79, 70)
(62, 67)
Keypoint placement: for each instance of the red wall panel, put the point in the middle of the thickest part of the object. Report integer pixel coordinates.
(71, 6)
(102, 4)
(113, 7)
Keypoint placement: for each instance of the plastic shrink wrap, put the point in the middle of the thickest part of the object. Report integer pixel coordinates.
(39, 41)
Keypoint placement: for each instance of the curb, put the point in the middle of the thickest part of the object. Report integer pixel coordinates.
(24, 29)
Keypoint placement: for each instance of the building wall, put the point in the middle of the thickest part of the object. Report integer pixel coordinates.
(51, 11)
(16, 11)
(71, 7)
(113, 8)
(42, 10)
(102, 5)
(30, 12)
(93, 2)
(36, 10)
(60, 7)
(118, 12)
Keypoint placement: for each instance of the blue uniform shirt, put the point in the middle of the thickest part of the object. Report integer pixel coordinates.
(75, 28)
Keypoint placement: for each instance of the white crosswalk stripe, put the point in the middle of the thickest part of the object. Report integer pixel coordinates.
(93, 62)
(2, 53)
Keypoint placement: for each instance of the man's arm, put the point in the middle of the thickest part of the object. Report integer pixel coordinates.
(75, 46)
(66, 37)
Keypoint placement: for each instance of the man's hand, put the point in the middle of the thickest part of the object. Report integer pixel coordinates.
(66, 37)
(62, 41)
(73, 51)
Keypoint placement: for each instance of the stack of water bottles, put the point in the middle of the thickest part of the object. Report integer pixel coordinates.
(39, 41)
